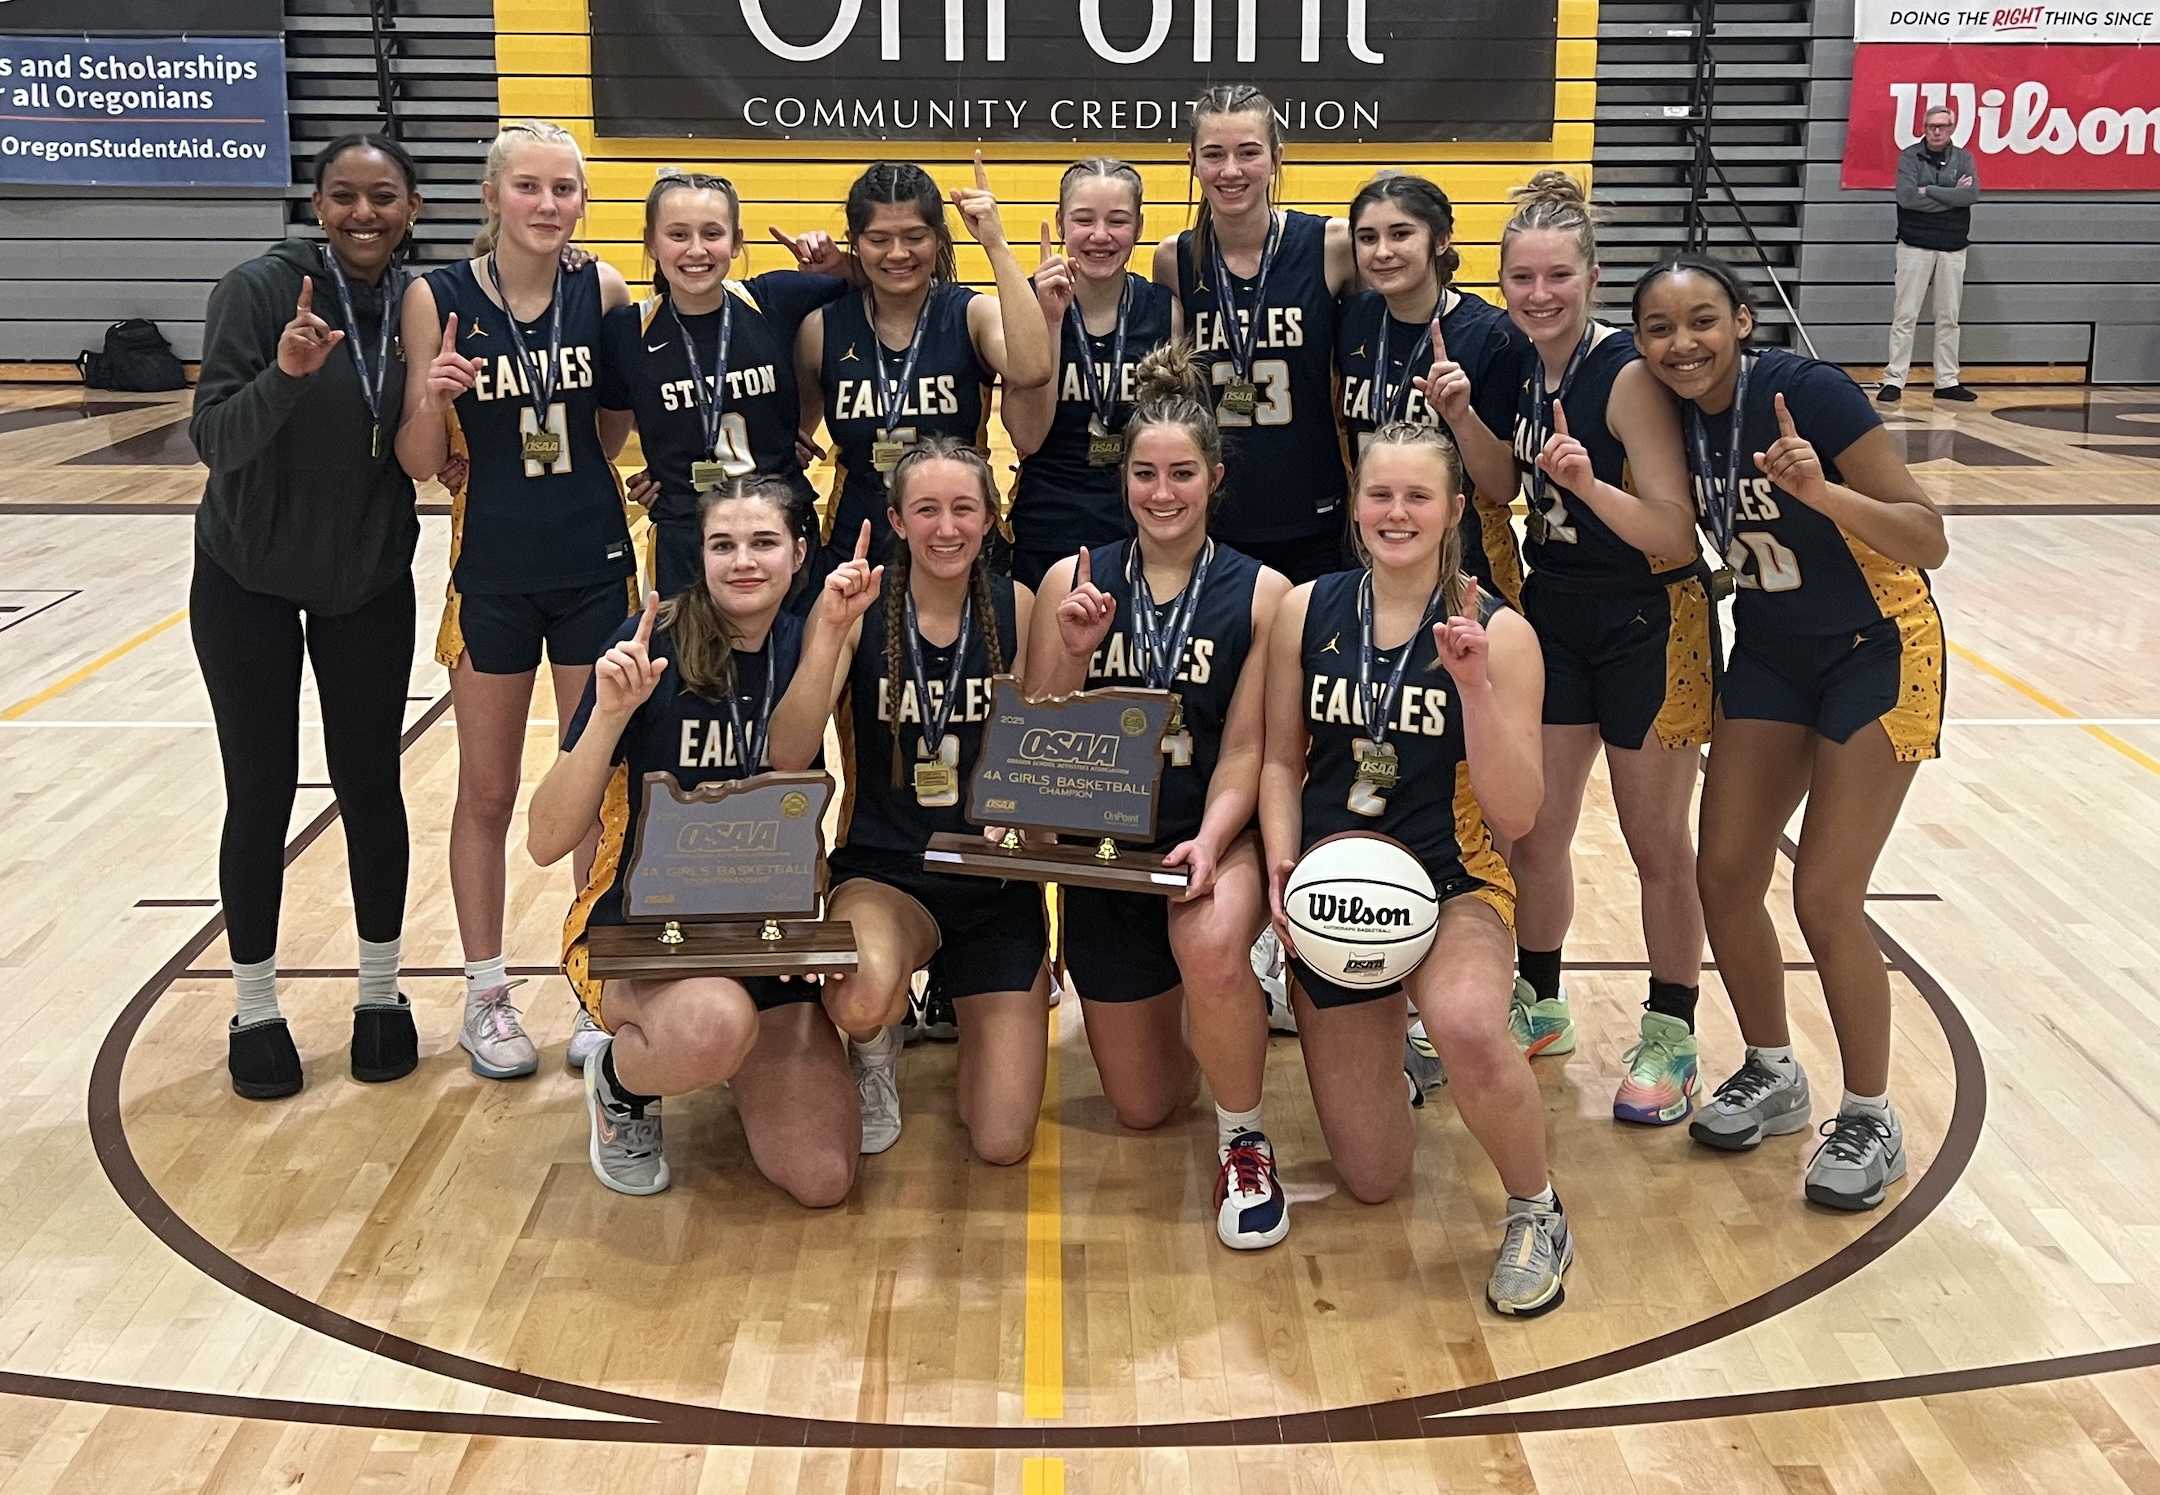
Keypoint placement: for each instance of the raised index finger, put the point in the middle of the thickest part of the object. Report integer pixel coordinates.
(1784, 417)
(1439, 341)
(862, 542)
(652, 611)
(1559, 419)
(307, 294)
(982, 178)
(784, 239)
(449, 333)
(1080, 569)
(1045, 245)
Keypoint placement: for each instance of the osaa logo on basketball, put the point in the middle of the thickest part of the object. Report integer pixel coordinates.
(1362, 910)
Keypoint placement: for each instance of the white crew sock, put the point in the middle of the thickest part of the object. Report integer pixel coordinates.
(1865, 1105)
(1229, 1123)
(255, 987)
(379, 972)
(879, 1048)
(1544, 1198)
(484, 975)
(1779, 1059)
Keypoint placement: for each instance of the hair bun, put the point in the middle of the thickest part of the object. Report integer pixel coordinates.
(1171, 372)
(1551, 186)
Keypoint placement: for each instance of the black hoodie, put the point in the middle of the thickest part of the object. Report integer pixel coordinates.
(295, 506)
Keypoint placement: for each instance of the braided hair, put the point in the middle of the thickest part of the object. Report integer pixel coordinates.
(900, 568)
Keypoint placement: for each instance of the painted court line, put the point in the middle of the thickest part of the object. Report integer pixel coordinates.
(2056, 708)
(1043, 1343)
(1042, 1476)
(69, 681)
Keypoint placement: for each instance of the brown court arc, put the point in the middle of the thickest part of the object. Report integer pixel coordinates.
(665, 1421)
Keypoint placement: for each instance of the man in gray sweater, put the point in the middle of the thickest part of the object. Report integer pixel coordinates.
(1937, 184)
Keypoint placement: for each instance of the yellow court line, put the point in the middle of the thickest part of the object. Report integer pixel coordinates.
(1042, 1476)
(1043, 1342)
(2047, 702)
(67, 683)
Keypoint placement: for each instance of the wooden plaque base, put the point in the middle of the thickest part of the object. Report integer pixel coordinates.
(737, 948)
(1131, 872)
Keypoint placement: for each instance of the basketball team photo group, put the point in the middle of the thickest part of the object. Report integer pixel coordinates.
(1107, 759)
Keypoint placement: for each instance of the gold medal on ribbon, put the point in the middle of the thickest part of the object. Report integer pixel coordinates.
(1377, 770)
(1241, 397)
(543, 447)
(1721, 583)
(886, 452)
(704, 475)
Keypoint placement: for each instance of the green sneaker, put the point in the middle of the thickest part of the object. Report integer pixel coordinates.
(1540, 1027)
(1664, 1078)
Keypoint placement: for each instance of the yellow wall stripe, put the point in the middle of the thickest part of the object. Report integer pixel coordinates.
(1043, 1346)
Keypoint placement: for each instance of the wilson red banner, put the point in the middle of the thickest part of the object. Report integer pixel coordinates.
(2062, 102)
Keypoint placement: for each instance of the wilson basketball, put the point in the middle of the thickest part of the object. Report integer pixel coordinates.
(1362, 911)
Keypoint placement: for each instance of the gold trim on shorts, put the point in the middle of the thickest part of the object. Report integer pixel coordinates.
(1690, 684)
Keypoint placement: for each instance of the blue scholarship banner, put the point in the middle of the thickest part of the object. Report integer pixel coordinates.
(159, 111)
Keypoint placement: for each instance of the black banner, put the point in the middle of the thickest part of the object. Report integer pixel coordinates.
(1070, 70)
(166, 17)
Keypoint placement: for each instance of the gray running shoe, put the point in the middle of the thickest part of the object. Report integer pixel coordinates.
(495, 1038)
(877, 1084)
(585, 1039)
(626, 1151)
(1421, 1065)
(1861, 1156)
(1535, 1254)
(1754, 1102)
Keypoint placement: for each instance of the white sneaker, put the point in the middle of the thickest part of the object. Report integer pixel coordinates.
(1250, 1210)
(1274, 973)
(877, 1084)
(495, 1038)
(586, 1040)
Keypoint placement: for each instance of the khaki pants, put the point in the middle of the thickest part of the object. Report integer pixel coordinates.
(1915, 268)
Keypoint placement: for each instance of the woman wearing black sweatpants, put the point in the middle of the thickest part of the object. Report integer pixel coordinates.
(304, 541)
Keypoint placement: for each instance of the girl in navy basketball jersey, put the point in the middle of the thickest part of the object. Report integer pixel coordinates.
(1403, 702)
(1258, 287)
(688, 688)
(912, 355)
(1834, 692)
(1173, 609)
(710, 411)
(1102, 320)
(539, 550)
(1620, 599)
(1414, 332)
(908, 650)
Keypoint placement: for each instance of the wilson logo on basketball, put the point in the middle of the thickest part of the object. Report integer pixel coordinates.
(1355, 912)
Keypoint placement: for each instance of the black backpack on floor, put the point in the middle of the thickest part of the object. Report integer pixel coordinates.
(136, 357)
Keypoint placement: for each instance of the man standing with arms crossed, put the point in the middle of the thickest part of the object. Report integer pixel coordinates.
(1937, 184)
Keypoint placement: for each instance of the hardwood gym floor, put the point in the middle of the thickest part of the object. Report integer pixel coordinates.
(422, 1287)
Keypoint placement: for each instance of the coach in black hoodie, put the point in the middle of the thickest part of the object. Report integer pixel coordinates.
(305, 541)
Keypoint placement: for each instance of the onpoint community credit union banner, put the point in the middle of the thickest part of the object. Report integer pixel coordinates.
(1107, 70)
(174, 112)
(2048, 98)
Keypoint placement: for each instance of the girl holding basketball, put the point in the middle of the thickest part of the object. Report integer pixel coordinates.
(1403, 703)
(1102, 321)
(1173, 609)
(688, 688)
(708, 363)
(540, 553)
(1620, 599)
(908, 650)
(1258, 287)
(913, 353)
(1834, 693)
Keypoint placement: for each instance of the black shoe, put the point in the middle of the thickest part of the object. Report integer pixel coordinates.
(384, 1043)
(1889, 394)
(263, 1062)
(1956, 392)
